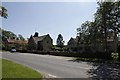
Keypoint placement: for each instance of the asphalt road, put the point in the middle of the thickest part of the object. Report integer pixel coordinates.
(51, 66)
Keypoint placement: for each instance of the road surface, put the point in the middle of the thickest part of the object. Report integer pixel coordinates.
(51, 66)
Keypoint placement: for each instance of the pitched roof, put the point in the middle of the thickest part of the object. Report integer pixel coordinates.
(75, 39)
(16, 41)
(72, 41)
(39, 38)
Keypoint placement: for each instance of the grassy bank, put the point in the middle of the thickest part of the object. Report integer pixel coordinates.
(14, 70)
(0, 68)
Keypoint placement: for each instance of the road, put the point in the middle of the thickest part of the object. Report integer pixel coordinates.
(51, 66)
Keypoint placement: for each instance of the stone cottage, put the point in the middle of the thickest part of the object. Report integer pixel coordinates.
(17, 44)
(40, 43)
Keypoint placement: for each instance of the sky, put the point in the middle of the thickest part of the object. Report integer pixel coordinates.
(51, 18)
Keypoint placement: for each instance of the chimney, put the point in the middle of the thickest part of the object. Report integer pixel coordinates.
(36, 34)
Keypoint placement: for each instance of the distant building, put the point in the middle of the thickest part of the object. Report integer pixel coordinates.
(41, 43)
(73, 44)
(18, 44)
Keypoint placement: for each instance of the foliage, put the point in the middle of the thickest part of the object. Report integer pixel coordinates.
(0, 68)
(3, 12)
(60, 42)
(86, 33)
(7, 34)
(10, 35)
(56, 48)
(115, 56)
(108, 17)
(107, 20)
(17, 71)
(21, 46)
(20, 37)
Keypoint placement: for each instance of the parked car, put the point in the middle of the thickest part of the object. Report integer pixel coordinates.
(13, 49)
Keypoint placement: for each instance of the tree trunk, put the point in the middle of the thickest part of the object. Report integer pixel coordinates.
(104, 25)
(115, 40)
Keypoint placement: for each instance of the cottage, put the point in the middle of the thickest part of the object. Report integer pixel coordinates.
(41, 43)
(72, 44)
(18, 44)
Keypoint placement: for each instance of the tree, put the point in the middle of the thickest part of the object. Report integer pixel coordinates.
(3, 12)
(7, 34)
(21, 37)
(83, 32)
(101, 16)
(60, 42)
(115, 22)
(86, 33)
(108, 18)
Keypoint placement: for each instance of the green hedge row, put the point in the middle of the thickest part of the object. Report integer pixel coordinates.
(99, 55)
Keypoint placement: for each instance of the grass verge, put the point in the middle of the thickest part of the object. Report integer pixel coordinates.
(95, 60)
(14, 70)
(0, 68)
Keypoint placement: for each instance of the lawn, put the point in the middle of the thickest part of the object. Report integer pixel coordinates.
(0, 68)
(13, 70)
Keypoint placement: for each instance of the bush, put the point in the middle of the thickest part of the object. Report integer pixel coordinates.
(115, 56)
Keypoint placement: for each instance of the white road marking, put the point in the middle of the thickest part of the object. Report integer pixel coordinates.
(53, 76)
(84, 68)
(46, 75)
(37, 70)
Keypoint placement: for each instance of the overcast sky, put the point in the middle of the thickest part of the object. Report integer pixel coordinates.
(52, 18)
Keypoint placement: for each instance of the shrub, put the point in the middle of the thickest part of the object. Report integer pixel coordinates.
(115, 56)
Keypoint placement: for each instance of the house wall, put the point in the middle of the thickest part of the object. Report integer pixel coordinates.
(98, 47)
(31, 44)
(72, 45)
(47, 43)
(40, 45)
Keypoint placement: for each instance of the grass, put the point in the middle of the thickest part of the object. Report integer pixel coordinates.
(14, 70)
(94, 60)
(0, 68)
